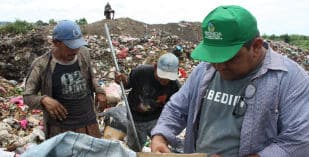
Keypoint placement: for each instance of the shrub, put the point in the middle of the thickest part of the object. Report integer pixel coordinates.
(82, 21)
(17, 27)
(52, 22)
(40, 23)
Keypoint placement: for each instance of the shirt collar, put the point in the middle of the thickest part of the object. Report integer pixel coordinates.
(272, 61)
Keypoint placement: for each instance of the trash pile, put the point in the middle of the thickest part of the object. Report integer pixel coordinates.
(21, 128)
(298, 55)
(131, 52)
(18, 52)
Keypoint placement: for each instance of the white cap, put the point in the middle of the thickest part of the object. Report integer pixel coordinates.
(167, 66)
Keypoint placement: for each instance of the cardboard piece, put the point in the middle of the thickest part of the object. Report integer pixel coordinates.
(112, 133)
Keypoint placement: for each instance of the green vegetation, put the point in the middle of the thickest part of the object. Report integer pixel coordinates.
(300, 41)
(40, 23)
(81, 21)
(17, 27)
(22, 27)
(52, 22)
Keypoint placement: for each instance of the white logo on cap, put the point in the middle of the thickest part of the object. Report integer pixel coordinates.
(211, 34)
(76, 33)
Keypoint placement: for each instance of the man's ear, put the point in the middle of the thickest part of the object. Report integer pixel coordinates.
(258, 43)
(258, 48)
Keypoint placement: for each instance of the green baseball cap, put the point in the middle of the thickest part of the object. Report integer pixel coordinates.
(225, 30)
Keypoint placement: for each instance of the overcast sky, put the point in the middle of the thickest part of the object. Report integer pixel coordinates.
(273, 16)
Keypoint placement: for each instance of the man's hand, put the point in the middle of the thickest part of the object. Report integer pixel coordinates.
(102, 101)
(159, 144)
(54, 108)
(120, 77)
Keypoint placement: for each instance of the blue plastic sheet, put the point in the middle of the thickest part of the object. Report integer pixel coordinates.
(72, 144)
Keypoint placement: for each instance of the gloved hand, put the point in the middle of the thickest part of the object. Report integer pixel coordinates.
(54, 108)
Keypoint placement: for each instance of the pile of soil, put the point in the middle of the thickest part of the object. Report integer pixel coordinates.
(188, 31)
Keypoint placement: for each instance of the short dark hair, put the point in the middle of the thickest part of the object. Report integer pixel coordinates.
(54, 40)
(249, 43)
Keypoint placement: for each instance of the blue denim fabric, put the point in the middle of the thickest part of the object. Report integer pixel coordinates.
(72, 144)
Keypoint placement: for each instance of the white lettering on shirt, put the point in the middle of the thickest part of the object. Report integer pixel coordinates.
(223, 98)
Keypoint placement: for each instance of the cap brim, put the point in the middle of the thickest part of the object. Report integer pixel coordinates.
(76, 43)
(167, 75)
(214, 54)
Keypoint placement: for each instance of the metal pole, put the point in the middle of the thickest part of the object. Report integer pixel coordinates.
(122, 87)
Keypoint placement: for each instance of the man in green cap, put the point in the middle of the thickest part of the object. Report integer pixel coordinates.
(243, 99)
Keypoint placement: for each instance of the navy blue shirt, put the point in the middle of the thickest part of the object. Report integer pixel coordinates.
(72, 91)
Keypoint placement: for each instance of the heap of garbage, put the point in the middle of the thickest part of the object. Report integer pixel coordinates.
(293, 52)
(20, 128)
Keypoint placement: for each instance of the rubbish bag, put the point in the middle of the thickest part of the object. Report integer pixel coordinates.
(116, 117)
(78, 145)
